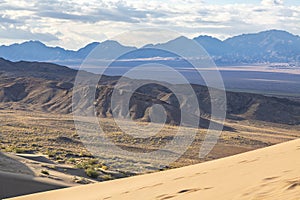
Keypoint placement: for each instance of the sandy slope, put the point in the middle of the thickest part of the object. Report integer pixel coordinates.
(270, 173)
(12, 184)
(21, 174)
(18, 176)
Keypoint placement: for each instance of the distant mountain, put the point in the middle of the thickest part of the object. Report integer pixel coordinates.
(84, 52)
(111, 49)
(37, 51)
(214, 46)
(267, 46)
(180, 45)
(33, 51)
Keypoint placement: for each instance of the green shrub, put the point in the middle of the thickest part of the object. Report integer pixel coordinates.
(104, 167)
(20, 150)
(51, 154)
(107, 177)
(91, 173)
(82, 165)
(92, 161)
(25, 150)
(72, 160)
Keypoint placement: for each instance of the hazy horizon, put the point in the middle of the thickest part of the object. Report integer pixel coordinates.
(74, 24)
(142, 45)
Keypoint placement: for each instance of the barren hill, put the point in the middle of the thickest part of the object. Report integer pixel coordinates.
(48, 87)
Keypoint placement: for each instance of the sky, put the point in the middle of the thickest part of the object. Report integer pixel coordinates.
(73, 24)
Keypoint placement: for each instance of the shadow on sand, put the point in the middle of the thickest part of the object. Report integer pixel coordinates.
(17, 179)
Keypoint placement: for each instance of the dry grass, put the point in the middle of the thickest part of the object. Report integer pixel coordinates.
(55, 136)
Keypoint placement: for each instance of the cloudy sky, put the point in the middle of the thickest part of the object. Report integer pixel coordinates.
(73, 24)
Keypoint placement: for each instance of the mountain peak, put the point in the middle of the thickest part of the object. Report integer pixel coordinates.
(110, 43)
(275, 31)
(89, 47)
(180, 39)
(33, 42)
(266, 46)
(205, 37)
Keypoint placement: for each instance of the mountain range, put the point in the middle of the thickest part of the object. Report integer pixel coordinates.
(264, 47)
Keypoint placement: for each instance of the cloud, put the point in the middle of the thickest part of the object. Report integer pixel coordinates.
(19, 34)
(6, 20)
(118, 11)
(80, 22)
(272, 2)
(66, 16)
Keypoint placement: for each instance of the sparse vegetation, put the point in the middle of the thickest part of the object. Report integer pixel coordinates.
(91, 173)
(106, 177)
(81, 180)
(104, 167)
(72, 160)
(88, 163)
(19, 150)
(25, 132)
(50, 153)
(93, 161)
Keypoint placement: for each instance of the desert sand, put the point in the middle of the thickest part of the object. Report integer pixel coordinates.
(20, 174)
(12, 184)
(269, 173)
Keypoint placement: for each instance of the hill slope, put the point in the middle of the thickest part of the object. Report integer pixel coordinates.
(49, 88)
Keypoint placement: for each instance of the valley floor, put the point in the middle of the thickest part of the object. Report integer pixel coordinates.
(42, 147)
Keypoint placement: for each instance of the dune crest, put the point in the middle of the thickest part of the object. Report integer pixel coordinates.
(269, 173)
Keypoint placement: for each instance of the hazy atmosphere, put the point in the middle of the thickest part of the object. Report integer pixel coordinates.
(73, 24)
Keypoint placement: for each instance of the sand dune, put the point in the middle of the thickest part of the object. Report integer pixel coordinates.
(17, 177)
(20, 174)
(270, 173)
(12, 184)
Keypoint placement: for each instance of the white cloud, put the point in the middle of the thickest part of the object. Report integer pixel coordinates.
(18, 34)
(272, 2)
(81, 22)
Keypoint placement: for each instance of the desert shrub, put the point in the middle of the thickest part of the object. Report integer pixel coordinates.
(20, 150)
(82, 165)
(59, 158)
(84, 154)
(91, 173)
(92, 161)
(17, 149)
(81, 180)
(104, 167)
(107, 177)
(72, 160)
(51, 154)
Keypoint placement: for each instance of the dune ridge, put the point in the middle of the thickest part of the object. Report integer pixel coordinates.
(269, 173)
(12, 184)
